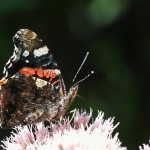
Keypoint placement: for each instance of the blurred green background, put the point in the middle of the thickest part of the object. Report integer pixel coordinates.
(117, 35)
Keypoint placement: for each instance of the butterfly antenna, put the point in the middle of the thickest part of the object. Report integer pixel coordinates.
(84, 78)
(80, 66)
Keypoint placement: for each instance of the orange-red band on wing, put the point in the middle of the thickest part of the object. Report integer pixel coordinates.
(28, 71)
(41, 73)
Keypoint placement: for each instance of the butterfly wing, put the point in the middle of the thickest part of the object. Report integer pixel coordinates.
(29, 51)
(34, 89)
(32, 57)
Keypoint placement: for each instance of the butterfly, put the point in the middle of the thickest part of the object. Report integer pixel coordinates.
(32, 89)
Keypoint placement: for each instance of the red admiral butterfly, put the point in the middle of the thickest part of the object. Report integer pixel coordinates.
(32, 89)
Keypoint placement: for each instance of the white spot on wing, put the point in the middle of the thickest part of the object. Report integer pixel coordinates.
(57, 71)
(4, 71)
(57, 87)
(8, 62)
(10, 65)
(25, 53)
(40, 83)
(37, 53)
(27, 61)
(44, 50)
(15, 58)
(41, 51)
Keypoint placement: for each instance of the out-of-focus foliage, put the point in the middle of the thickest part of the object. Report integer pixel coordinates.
(8, 6)
(117, 35)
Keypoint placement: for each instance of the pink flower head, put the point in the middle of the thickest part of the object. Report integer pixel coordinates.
(82, 118)
(67, 134)
(145, 146)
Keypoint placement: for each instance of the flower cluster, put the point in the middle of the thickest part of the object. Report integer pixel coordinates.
(76, 133)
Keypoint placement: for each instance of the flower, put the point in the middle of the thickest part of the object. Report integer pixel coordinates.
(145, 147)
(76, 133)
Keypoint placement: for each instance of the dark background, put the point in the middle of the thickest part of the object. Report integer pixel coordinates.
(117, 35)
